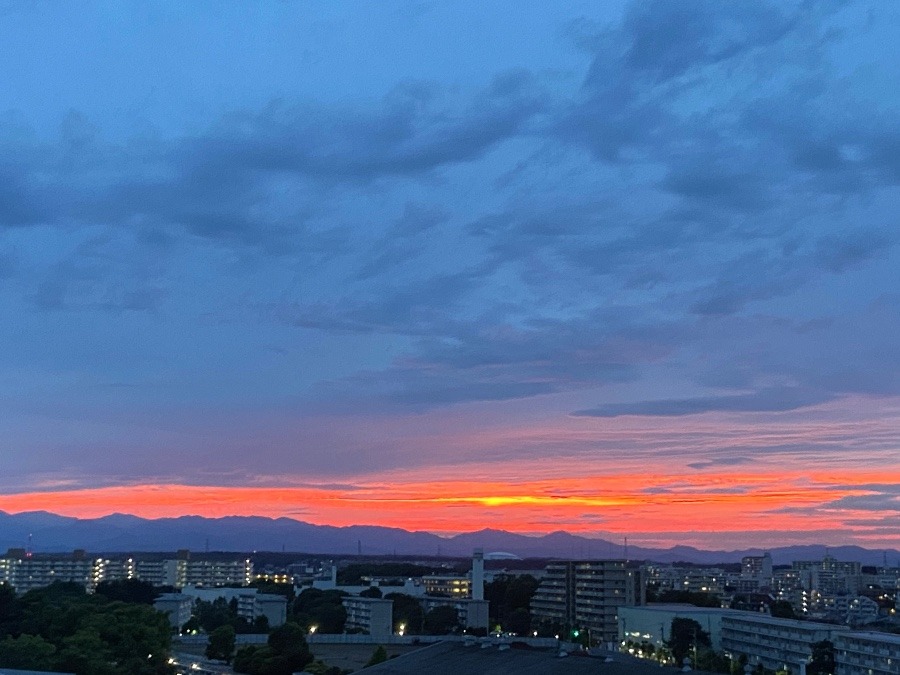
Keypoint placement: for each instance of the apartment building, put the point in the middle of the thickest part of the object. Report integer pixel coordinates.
(652, 624)
(776, 644)
(866, 653)
(372, 615)
(450, 586)
(24, 572)
(587, 594)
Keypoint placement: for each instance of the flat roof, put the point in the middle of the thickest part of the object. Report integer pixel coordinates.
(681, 607)
(453, 658)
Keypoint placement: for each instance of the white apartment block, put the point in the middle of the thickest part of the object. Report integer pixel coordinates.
(867, 653)
(177, 606)
(471, 613)
(777, 644)
(250, 603)
(652, 623)
(24, 571)
(693, 579)
(372, 615)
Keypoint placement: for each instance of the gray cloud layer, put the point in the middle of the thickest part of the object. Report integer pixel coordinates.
(706, 209)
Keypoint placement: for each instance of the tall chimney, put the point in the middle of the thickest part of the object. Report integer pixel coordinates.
(478, 574)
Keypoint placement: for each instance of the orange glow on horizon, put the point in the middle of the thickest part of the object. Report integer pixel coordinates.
(634, 504)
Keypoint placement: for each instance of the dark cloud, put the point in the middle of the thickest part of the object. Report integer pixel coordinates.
(707, 206)
(765, 400)
(721, 461)
(884, 501)
(841, 252)
(708, 32)
(20, 203)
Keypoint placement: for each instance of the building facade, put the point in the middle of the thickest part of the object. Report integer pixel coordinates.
(371, 615)
(776, 644)
(867, 653)
(652, 624)
(587, 595)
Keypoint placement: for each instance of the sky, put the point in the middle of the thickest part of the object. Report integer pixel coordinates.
(619, 268)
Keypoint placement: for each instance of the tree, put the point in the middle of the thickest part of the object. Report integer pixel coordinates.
(822, 662)
(378, 656)
(211, 615)
(10, 610)
(289, 641)
(407, 612)
(285, 653)
(243, 659)
(87, 634)
(128, 590)
(697, 599)
(684, 637)
(441, 620)
(221, 644)
(782, 609)
(371, 592)
(510, 602)
(323, 609)
(26, 652)
(518, 621)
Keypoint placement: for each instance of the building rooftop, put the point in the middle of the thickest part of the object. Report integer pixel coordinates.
(453, 658)
(684, 607)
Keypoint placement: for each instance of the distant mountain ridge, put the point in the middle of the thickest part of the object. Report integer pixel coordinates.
(126, 533)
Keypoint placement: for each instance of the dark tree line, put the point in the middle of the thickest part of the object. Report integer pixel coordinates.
(510, 602)
(62, 628)
(285, 653)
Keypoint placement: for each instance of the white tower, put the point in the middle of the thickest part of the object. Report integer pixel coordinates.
(478, 574)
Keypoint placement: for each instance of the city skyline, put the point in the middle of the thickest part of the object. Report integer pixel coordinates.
(623, 268)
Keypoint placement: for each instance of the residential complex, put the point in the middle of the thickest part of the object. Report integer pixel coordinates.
(776, 644)
(587, 595)
(371, 615)
(652, 624)
(24, 571)
(867, 653)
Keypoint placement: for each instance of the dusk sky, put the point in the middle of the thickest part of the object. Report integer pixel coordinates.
(616, 268)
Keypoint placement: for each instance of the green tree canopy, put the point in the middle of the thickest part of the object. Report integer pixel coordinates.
(684, 637)
(27, 652)
(322, 609)
(822, 662)
(441, 620)
(371, 592)
(128, 590)
(408, 612)
(221, 644)
(378, 656)
(61, 628)
(286, 652)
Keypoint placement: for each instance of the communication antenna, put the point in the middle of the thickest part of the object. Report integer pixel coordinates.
(626, 549)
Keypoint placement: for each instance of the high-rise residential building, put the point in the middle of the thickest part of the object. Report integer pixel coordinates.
(586, 595)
